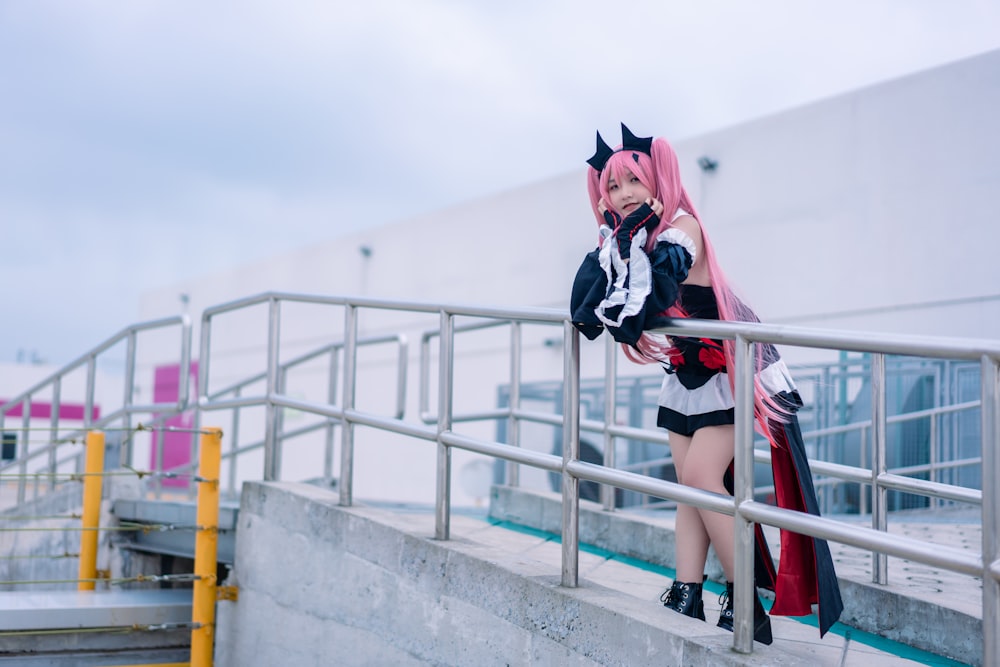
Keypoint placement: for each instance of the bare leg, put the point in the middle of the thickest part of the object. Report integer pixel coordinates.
(691, 538)
(705, 463)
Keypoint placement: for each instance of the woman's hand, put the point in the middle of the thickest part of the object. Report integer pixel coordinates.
(610, 217)
(656, 205)
(643, 216)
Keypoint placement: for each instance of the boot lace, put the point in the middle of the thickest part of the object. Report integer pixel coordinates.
(673, 596)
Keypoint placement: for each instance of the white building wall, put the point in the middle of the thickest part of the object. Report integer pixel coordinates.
(871, 211)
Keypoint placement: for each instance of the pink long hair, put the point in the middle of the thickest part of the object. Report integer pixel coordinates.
(660, 173)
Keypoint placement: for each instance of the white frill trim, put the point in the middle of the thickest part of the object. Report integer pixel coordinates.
(638, 272)
(674, 235)
(775, 378)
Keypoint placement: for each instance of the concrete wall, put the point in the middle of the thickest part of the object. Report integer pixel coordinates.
(322, 584)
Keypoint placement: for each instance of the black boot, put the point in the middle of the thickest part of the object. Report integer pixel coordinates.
(761, 621)
(684, 599)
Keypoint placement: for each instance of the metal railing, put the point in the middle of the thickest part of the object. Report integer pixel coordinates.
(58, 437)
(341, 412)
(440, 428)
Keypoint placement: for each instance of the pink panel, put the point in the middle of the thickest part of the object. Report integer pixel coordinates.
(43, 410)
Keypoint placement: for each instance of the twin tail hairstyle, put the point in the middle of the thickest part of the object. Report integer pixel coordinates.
(659, 171)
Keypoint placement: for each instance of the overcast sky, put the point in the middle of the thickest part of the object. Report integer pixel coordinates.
(143, 142)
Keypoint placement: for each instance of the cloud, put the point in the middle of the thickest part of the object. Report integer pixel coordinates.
(158, 137)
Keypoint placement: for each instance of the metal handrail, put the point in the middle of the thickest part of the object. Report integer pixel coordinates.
(741, 505)
(89, 359)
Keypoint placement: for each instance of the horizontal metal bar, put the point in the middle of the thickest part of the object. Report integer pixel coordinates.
(205, 403)
(549, 462)
(389, 424)
(324, 409)
(941, 465)
(93, 352)
(925, 487)
(971, 349)
(497, 413)
(900, 546)
(653, 487)
(428, 334)
(549, 315)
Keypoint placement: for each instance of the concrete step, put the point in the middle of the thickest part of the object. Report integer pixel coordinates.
(90, 628)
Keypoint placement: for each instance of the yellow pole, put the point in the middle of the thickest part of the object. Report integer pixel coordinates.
(206, 544)
(91, 509)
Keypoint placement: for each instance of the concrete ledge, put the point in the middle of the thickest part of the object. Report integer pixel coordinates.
(891, 611)
(323, 584)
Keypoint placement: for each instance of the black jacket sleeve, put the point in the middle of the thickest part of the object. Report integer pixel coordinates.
(589, 288)
(659, 276)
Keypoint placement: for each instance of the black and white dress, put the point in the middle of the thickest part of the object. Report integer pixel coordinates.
(628, 298)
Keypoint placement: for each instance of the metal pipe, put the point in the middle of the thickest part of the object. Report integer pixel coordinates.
(743, 541)
(899, 546)
(513, 472)
(403, 357)
(125, 451)
(880, 564)
(25, 445)
(234, 440)
(272, 448)
(610, 407)
(571, 453)
(54, 429)
(990, 391)
(183, 389)
(346, 482)
(331, 398)
(158, 443)
(446, 369)
(206, 543)
(424, 384)
(92, 484)
(204, 359)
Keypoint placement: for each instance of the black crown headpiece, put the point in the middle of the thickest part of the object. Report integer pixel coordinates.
(630, 142)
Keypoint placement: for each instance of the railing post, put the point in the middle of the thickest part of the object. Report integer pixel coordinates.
(880, 562)
(125, 451)
(206, 544)
(331, 398)
(234, 439)
(446, 366)
(571, 452)
(272, 447)
(610, 407)
(204, 367)
(513, 477)
(54, 430)
(346, 482)
(92, 485)
(990, 415)
(743, 543)
(22, 480)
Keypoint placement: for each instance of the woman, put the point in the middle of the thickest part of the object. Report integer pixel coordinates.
(654, 262)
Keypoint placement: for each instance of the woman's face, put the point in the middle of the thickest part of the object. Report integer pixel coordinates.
(629, 195)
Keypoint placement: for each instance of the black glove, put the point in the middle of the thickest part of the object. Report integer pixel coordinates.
(642, 216)
(612, 218)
